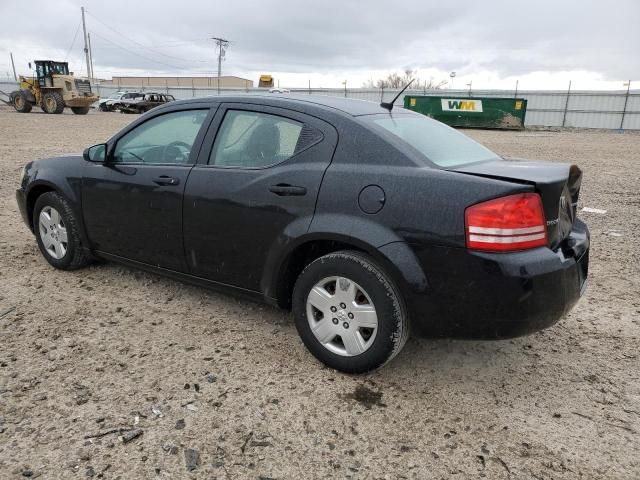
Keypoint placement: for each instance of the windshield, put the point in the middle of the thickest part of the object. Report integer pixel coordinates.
(441, 144)
(115, 96)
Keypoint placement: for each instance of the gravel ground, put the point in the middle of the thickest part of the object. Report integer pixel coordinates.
(225, 387)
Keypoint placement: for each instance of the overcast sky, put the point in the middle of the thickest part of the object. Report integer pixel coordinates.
(492, 43)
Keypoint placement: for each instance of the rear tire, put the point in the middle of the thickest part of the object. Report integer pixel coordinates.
(80, 110)
(20, 102)
(361, 322)
(52, 102)
(57, 232)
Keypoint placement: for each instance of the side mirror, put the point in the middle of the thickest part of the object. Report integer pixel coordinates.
(97, 153)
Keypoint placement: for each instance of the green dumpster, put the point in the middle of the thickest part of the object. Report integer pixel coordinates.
(474, 112)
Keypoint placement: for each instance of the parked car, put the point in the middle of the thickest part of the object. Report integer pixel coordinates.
(279, 90)
(143, 103)
(106, 104)
(367, 223)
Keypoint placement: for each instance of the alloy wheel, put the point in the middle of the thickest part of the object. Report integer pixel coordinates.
(342, 316)
(53, 232)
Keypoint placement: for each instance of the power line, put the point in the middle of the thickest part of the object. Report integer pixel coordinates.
(75, 35)
(169, 45)
(140, 44)
(138, 54)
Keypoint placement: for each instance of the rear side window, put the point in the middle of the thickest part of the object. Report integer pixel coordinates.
(439, 143)
(254, 140)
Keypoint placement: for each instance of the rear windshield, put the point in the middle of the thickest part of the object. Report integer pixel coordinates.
(438, 142)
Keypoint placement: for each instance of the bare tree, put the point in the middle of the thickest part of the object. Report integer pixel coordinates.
(395, 80)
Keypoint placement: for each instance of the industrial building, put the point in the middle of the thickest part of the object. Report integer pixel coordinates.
(226, 81)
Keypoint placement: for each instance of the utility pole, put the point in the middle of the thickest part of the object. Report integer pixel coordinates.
(15, 77)
(91, 57)
(86, 45)
(515, 95)
(626, 100)
(222, 44)
(566, 105)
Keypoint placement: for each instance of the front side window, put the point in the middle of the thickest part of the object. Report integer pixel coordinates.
(254, 140)
(439, 143)
(167, 139)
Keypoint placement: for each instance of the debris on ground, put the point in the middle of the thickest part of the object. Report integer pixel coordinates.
(594, 210)
(108, 432)
(7, 311)
(131, 435)
(191, 458)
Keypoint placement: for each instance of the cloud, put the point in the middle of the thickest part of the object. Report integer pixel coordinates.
(327, 41)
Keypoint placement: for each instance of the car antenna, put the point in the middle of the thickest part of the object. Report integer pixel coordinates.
(389, 105)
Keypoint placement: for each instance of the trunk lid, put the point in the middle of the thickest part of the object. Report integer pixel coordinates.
(557, 183)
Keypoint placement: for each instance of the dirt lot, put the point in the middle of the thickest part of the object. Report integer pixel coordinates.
(87, 352)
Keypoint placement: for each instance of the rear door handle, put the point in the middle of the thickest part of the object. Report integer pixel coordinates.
(166, 180)
(284, 189)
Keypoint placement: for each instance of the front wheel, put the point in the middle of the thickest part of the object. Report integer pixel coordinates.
(57, 232)
(348, 312)
(52, 102)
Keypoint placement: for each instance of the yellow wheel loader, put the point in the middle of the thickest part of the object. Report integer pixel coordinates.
(53, 88)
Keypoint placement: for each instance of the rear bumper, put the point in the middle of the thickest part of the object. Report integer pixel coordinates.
(489, 295)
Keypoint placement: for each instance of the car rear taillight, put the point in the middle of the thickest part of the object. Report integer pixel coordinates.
(514, 222)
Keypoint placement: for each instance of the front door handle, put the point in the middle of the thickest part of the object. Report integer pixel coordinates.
(284, 189)
(166, 180)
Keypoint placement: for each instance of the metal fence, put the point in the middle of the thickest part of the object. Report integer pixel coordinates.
(581, 109)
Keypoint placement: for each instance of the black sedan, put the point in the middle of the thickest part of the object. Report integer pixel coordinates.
(367, 222)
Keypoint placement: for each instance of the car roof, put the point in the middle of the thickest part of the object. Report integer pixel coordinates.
(349, 106)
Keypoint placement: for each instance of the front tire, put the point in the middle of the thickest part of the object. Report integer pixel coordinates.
(348, 312)
(57, 232)
(52, 102)
(80, 110)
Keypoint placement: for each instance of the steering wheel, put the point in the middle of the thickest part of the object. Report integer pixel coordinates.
(174, 151)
